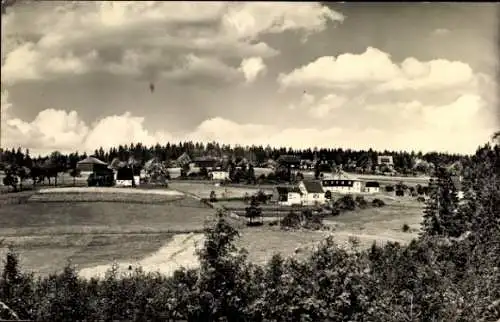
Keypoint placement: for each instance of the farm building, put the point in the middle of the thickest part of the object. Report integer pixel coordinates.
(372, 187)
(219, 175)
(125, 176)
(312, 192)
(289, 196)
(207, 162)
(90, 164)
(341, 183)
(291, 161)
(385, 160)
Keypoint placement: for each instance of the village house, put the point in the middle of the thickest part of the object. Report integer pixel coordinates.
(372, 187)
(219, 175)
(312, 193)
(207, 162)
(89, 165)
(341, 183)
(125, 177)
(289, 196)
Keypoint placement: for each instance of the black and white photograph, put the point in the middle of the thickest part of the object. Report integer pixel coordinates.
(250, 161)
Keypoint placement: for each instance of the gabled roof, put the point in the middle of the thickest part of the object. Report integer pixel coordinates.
(372, 184)
(205, 159)
(288, 159)
(313, 186)
(92, 160)
(286, 190)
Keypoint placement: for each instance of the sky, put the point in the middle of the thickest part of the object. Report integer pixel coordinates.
(398, 76)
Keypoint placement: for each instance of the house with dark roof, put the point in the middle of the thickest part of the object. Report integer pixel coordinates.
(372, 187)
(312, 193)
(289, 196)
(208, 162)
(289, 161)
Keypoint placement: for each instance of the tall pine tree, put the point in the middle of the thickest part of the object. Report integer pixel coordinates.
(440, 215)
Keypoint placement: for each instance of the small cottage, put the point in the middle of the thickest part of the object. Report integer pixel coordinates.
(219, 175)
(89, 165)
(372, 187)
(289, 196)
(312, 193)
(125, 177)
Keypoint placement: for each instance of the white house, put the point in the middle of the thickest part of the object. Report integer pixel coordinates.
(219, 175)
(372, 187)
(289, 196)
(312, 193)
(342, 183)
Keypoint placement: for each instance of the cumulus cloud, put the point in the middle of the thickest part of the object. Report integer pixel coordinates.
(375, 68)
(54, 39)
(252, 68)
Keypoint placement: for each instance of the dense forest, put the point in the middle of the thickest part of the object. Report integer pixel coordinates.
(450, 273)
(349, 159)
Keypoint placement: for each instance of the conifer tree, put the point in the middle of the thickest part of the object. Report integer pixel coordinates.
(440, 215)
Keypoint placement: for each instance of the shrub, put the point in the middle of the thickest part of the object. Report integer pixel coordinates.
(346, 203)
(420, 199)
(261, 197)
(292, 219)
(361, 202)
(378, 203)
(405, 228)
(213, 196)
(389, 188)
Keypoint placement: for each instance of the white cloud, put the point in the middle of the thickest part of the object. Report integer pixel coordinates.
(252, 68)
(375, 68)
(53, 39)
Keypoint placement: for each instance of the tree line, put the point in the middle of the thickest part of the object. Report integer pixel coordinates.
(347, 158)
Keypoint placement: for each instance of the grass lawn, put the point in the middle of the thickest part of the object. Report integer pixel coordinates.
(202, 190)
(48, 235)
(101, 217)
(46, 254)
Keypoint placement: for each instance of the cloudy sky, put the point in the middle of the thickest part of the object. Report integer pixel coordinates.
(76, 75)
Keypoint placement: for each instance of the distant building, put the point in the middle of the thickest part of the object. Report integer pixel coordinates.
(289, 196)
(205, 162)
(386, 160)
(312, 193)
(287, 160)
(124, 177)
(372, 187)
(91, 164)
(342, 183)
(219, 175)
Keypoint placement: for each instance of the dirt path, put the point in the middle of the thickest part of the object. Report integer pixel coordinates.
(177, 253)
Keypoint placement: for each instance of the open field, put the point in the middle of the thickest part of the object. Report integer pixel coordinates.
(202, 190)
(162, 236)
